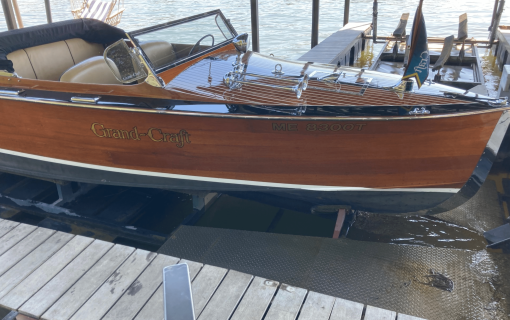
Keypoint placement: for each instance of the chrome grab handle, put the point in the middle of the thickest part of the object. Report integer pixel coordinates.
(12, 92)
(92, 100)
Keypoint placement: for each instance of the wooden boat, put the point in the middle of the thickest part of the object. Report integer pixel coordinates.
(163, 108)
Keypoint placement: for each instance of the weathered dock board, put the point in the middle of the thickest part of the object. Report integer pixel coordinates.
(50, 275)
(342, 46)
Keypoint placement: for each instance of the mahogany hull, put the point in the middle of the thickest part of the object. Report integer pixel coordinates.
(412, 163)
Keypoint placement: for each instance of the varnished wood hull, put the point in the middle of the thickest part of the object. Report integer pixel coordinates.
(378, 164)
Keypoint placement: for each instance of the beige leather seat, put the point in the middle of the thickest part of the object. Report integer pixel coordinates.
(92, 70)
(50, 61)
(160, 53)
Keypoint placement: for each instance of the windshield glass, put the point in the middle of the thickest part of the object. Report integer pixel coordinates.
(168, 44)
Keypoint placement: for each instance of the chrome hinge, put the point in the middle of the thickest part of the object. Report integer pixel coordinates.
(92, 100)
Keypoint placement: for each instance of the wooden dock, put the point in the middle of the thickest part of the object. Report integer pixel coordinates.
(503, 47)
(51, 275)
(341, 47)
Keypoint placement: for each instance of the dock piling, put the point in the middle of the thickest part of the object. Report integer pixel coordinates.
(254, 25)
(346, 11)
(48, 11)
(10, 20)
(494, 11)
(495, 23)
(315, 23)
(18, 14)
(374, 22)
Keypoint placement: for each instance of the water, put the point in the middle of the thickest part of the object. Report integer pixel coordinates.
(285, 25)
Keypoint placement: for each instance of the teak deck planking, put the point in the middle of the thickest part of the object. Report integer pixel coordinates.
(52, 275)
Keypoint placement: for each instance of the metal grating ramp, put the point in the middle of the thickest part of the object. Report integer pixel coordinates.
(383, 275)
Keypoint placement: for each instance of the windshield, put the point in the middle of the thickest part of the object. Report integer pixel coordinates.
(165, 44)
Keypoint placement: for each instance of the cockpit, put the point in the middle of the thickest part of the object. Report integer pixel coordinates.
(77, 51)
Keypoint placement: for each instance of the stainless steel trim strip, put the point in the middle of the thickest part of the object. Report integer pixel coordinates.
(92, 100)
(11, 92)
(259, 117)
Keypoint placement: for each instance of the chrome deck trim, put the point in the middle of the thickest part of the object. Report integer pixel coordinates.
(243, 116)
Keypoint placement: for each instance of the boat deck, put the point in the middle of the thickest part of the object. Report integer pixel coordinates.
(52, 275)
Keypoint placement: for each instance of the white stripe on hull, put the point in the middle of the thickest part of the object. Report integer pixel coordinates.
(221, 180)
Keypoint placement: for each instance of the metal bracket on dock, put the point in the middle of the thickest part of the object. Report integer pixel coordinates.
(201, 202)
(67, 194)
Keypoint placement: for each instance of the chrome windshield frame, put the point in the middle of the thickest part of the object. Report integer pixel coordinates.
(133, 34)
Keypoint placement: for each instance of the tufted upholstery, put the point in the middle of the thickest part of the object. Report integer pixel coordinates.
(50, 61)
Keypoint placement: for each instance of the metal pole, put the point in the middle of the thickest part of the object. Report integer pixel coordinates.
(9, 15)
(346, 11)
(374, 22)
(18, 14)
(48, 11)
(494, 11)
(496, 22)
(315, 23)
(255, 25)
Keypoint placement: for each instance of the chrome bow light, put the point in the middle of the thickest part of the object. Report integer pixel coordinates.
(242, 42)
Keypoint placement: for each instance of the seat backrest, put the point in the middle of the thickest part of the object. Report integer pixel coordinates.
(49, 61)
(160, 53)
(92, 70)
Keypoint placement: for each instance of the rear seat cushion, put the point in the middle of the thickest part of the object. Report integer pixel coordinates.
(50, 60)
(22, 65)
(82, 50)
(92, 70)
(160, 53)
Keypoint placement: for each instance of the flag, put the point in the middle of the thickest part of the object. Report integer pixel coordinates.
(419, 60)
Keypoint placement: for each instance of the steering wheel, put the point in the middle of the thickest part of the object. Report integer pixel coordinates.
(198, 42)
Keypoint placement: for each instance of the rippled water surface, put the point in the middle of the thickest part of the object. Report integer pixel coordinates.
(285, 25)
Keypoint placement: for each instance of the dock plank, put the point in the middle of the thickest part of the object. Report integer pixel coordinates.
(204, 286)
(225, 299)
(106, 296)
(374, 313)
(141, 290)
(24, 247)
(345, 309)
(6, 226)
(14, 236)
(254, 304)
(286, 304)
(35, 281)
(317, 306)
(56, 287)
(337, 46)
(80, 292)
(154, 308)
(32, 261)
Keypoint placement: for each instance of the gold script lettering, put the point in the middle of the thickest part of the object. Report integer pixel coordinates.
(151, 136)
(93, 128)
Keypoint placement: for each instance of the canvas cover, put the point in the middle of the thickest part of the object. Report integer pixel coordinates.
(87, 29)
